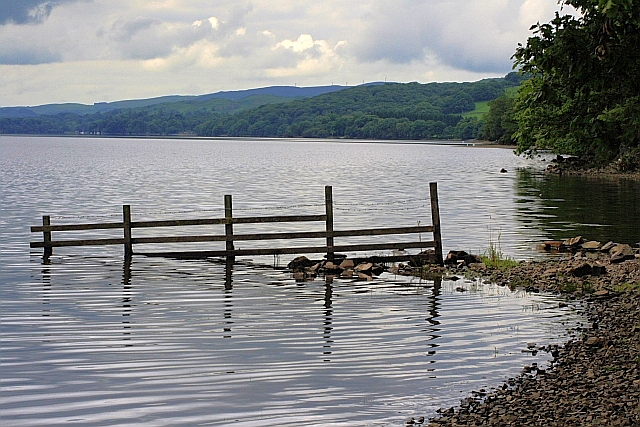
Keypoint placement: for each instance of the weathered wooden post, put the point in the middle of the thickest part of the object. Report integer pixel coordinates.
(435, 217)
(48, 250)
(328, 203)
(126, 224)
(228, 227)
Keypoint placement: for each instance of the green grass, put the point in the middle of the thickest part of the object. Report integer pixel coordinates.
(494, 258)
(481, 109)
(627, 287)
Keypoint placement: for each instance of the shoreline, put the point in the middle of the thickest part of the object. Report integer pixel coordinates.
(593, 380)
(449, 142)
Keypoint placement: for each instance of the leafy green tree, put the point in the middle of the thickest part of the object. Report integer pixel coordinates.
(584, 95)
(499, 122)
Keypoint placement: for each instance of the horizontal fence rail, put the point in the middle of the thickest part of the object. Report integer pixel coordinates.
(229, 237)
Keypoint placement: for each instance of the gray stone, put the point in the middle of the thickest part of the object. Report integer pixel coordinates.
(591, 245)
(621, 253)
(347, 263)
(574, 241)
(607, 246)
(364, 267)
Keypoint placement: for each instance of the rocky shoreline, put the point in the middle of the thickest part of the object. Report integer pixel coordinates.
(593, 380)
(625, 167)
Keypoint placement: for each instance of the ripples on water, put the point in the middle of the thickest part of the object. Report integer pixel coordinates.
(165, 342)
(91, 341)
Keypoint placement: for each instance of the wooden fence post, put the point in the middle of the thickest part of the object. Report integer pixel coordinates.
(435, 217)
(328, 203)
(228, 227)
(126, 223)
(48, 250)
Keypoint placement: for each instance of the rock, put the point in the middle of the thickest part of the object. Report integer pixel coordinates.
(461, 258)
(572, 242)
(330, 266)
(601, 293)
(503, 170)
(300, 263)
(594, 342)
(363, 267)
(581, 270)
(347, 263)
(591, 245)
(607, 246)
(460, 289)
(553, 245)
(365, 277)
(621, 253)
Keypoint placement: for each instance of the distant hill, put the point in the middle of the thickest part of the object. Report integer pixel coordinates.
(273, 93)
(373, 111)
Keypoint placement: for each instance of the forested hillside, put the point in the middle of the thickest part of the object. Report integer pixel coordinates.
(385, 111)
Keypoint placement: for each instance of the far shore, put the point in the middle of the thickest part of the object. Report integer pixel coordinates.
(455, 142)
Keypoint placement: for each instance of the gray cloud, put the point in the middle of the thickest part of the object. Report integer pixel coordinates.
(17, 56)
(27, 11)
(469, 35)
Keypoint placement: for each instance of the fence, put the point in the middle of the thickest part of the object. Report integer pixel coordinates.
(329, 234)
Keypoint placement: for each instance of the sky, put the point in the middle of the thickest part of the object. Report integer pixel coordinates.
(90, 51)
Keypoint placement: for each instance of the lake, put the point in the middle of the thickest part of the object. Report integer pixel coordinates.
(91, 339)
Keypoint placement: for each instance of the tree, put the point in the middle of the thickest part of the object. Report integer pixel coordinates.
(584, 94)
(499, 122)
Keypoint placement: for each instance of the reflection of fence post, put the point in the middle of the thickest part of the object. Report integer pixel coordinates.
(126, 224)
(328, 203)
(228, 227)
(435, 217)
(48, 250)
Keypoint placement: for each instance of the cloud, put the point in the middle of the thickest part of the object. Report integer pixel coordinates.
(138, 48)
(305, 57)
(474, 35)
(27, 11)
(14, 55)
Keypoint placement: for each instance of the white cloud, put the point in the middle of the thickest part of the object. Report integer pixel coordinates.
(170, 46)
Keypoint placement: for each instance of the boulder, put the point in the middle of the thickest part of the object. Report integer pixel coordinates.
(607, 246)
(300, 263)
(346, 263)
(591, 245)
(621, 253)
(330, 266)
(363, 267)
(553, 245)
(572, 242)
(585, 269)
(461, 258)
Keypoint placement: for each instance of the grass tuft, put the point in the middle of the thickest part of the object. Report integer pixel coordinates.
(494, 258)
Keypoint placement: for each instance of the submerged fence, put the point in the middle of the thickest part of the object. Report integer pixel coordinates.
(329, 234)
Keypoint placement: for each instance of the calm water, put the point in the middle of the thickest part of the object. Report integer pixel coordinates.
(92, 340)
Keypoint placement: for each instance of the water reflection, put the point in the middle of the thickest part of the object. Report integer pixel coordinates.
(597, 208)
(328, 317)
(126, 298)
